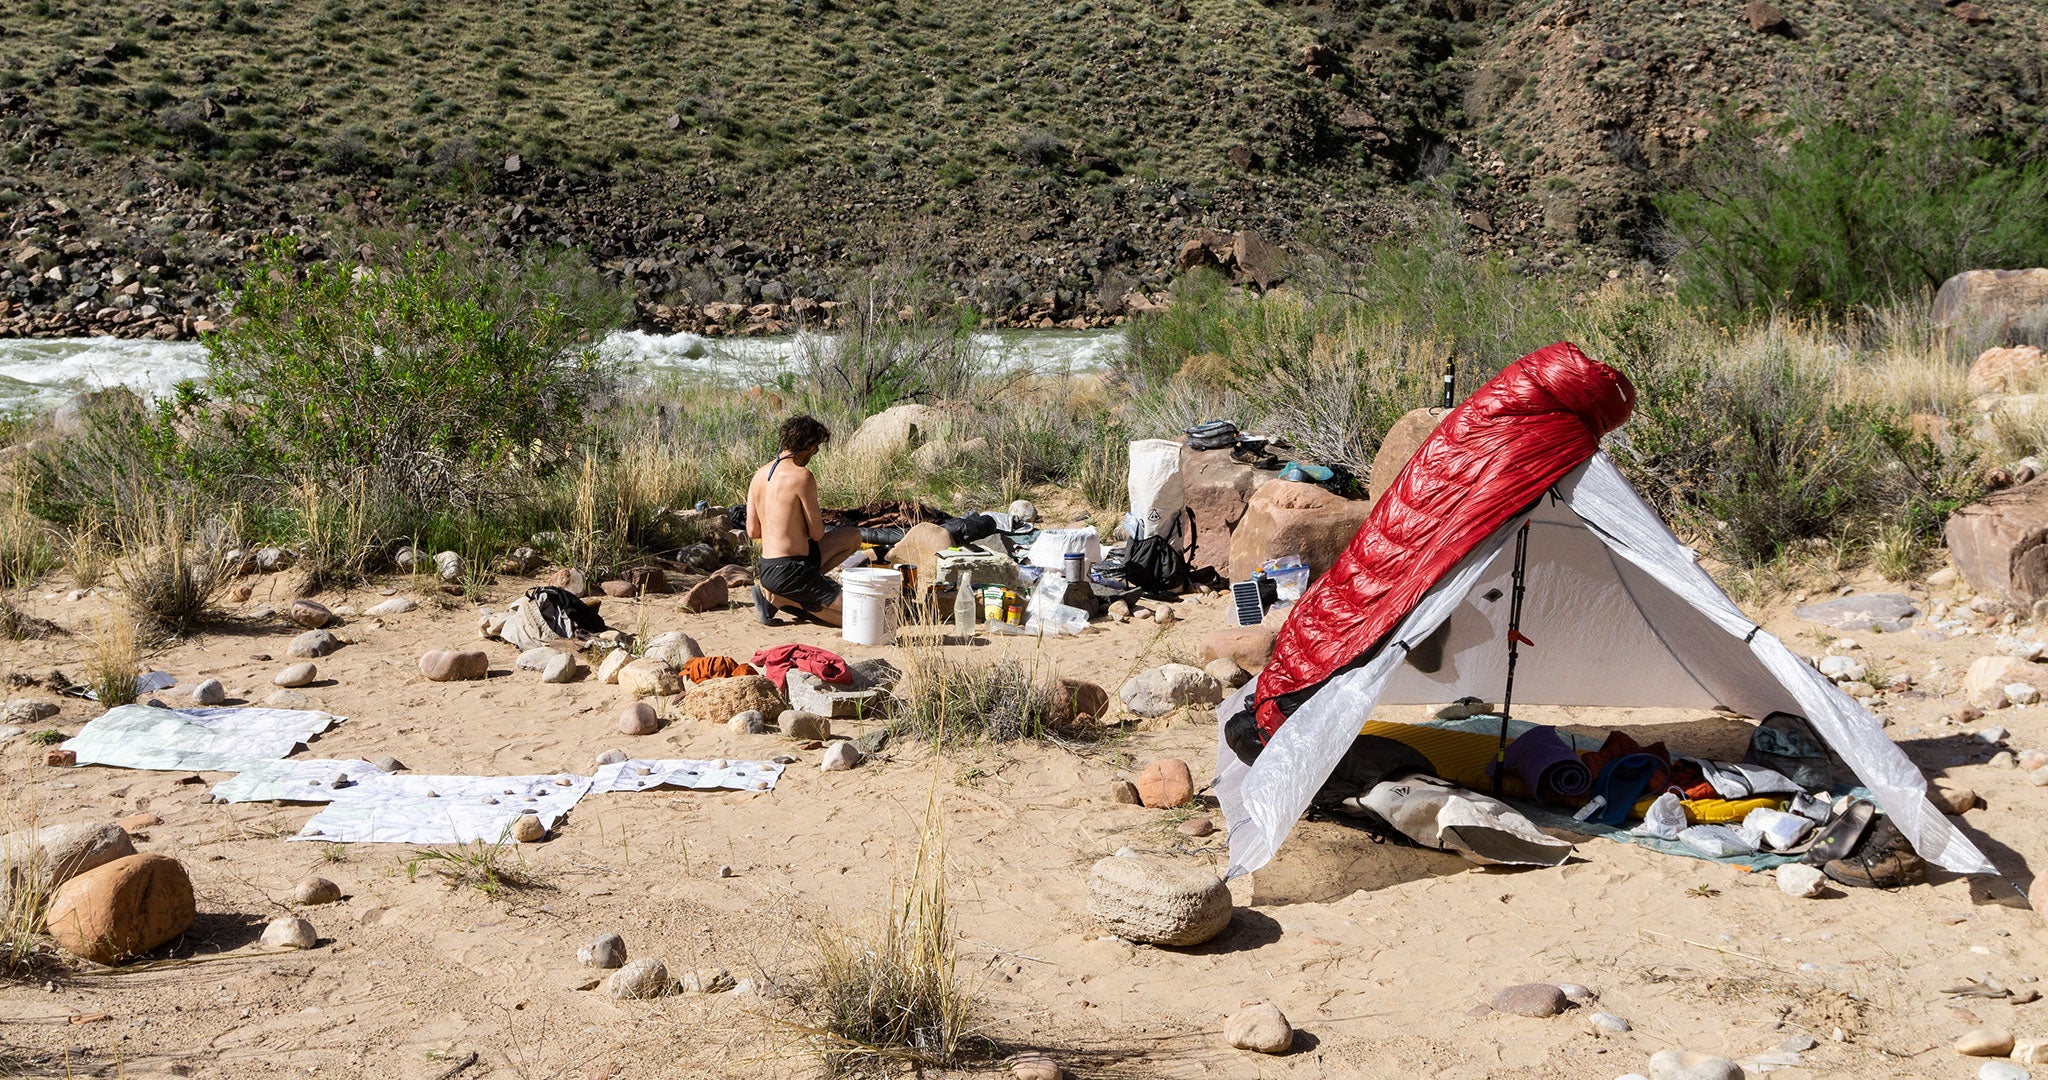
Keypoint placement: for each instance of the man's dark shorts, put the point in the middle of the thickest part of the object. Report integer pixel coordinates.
(796, 578)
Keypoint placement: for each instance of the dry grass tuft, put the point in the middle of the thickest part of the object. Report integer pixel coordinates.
(112, 662)
(25, 890)
(882, 1001)
(954, 701)
(478, 865)
(25, 550)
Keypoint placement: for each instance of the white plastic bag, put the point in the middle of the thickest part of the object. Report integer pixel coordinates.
(1049, 551)
(1048, 616)
(1158, 494)
(1717, 841)
(1779, 830)
(1664, 820)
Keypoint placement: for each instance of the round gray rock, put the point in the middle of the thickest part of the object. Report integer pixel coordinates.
(1168, 687)
(1692, 1065)
(562, 669)
(604, 951)
(639, 980)
(316, 890)
(297, 675)
(1531, 999)
(1262, 1028)
(313, 643)
(290, 933)
(209, 692)
(1157, 900)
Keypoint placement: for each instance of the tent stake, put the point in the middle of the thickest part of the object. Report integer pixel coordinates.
(1515, 640)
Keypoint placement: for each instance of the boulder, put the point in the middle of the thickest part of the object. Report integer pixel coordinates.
(1801, 880)
(450, 567)
(1258, 260)
(1166, 783)
(51, 855)
(710, 594)
(640, 979)
(1984, 1042)
(1531, 999)
(604, 951)
(1156, 900)
(308, 614)
(2000, 543)
(717, 701)
(638, 719)
(316, 890)
(1161, 690)
(1073, 699)
(920, 547)
(295, 676)
(1249, 647)
(209, 692)
(839, 757)
(1889, 613)
(451, 665)
(613, 660)
(893, 431)
(1217, 489)
(396, 605)
(2022, 368)
(675, 647)
(1286, 518)
(1992, 298)
(1988, 677)
(647, 581)
(1763, 18)
(527, 829)
(1227, 673)
(29, 711)
(290, 933)
(562, 668)
(313, 643)
(798, 724)
(568, 579)
(1400, 444)
(1263, 1028)
(1692, 1065)
(124, 908)
(649, 677)
(618, 588)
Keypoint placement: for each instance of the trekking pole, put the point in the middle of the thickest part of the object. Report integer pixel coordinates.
(1450, 379)
(1515, 642)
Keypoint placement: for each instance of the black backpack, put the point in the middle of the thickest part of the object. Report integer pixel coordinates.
(1153, 564)
(565, 612)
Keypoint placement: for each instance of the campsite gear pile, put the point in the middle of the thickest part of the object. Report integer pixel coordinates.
(1508, 538)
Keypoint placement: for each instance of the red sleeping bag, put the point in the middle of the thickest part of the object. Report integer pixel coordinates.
(1486, 462)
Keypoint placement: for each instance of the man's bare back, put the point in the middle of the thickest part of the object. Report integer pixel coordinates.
(796, 547)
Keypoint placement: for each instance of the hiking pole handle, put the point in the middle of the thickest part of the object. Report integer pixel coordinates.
(1450, 380)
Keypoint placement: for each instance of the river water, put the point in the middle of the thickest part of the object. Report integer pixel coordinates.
(41, 373)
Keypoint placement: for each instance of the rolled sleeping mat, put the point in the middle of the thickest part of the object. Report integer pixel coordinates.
(1551, 769)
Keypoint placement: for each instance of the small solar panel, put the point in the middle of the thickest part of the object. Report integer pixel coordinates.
(1251, 609)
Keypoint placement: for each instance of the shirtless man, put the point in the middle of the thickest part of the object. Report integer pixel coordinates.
(796, 547)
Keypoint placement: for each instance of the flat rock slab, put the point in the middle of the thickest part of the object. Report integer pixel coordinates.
(813, 695)
(1889, 613)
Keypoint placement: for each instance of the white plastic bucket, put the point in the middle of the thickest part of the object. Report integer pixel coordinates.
(870, 599)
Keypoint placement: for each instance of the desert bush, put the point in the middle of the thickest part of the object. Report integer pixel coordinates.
(24, 895)
(25, 543)
(1752, 443)
(172, 570)
(430, 378)
(902, 339)
(1885, 197)
(882, 1000)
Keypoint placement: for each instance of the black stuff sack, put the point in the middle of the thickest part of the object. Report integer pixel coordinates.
(565, 612)
(1155, 564)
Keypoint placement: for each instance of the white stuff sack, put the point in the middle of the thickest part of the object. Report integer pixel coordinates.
(1050, 550)
(1158, 494)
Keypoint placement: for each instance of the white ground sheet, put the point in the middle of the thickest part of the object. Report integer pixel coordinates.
(403, 808)
(308, 780)
(640, 774)
(197, 740)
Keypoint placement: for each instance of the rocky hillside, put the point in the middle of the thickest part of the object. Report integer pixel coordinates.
(1046, 158)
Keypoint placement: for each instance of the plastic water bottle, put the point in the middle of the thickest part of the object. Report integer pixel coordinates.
(963, 606)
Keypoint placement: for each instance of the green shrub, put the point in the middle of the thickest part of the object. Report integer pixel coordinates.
(1887, 199)
(902, 339)
(432, 378)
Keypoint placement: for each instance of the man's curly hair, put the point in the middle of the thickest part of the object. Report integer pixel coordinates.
(803, 432)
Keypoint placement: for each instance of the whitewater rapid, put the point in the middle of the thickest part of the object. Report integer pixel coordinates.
(41, 373)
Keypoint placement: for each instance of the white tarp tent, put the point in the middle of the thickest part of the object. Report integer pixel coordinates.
(1622, 616)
